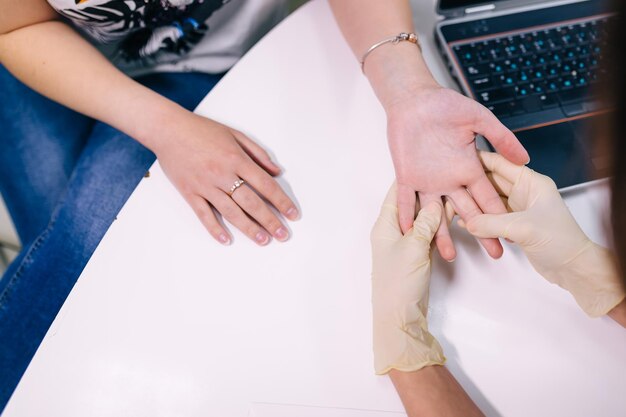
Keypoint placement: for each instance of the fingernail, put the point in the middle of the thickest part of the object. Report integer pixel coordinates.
(262, 238)
(282, 234)
(224, 239)
(292, 213)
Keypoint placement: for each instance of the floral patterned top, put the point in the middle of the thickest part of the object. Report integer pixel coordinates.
(173, 35)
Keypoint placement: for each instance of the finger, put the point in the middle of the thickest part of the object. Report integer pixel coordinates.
(506, 226)
(467, 209)
(427, 222)
(257, 153)
(505, 142)
(233, 213)
(205, 214)
(256, 208)
(389, 207)
(504, 200)
(387, 225)
(486, 196)
(449, 210)
(497, 164)
(502, 185)
(406, 207)
(443, 240)
(269, 189)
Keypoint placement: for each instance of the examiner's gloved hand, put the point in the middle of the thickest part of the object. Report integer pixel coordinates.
(400, 283)
(543, 226)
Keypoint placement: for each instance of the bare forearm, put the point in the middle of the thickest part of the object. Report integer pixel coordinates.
(618, 313)
(51, 58)
(393, 70)
(433, 391)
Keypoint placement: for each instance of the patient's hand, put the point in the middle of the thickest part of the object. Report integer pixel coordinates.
(204, 158)
(432, 140)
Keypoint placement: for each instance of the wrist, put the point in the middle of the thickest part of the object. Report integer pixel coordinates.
(160, 124)
(405, 348)
(398, 72)
(592, 279)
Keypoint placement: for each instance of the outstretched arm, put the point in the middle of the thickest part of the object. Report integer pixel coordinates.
(431, 392)
(430, 128)
(201, 157)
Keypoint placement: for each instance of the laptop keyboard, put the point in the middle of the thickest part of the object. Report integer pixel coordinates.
(531, 71)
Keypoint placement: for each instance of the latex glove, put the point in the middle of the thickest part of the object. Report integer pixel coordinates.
(543, 226)
(400, 284)
(431, 134)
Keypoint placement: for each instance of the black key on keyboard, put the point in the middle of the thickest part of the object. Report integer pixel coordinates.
(574, 95)
(482, 83)
(478, 70)
(495, 96)
(531, 103)
(548, 101)
(500, 109)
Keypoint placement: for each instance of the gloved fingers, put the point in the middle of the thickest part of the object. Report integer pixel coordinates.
(427, 222)
(443, 240)
(507, 226)
(486, 196)
(387, 224)
(468, 209)
(503, 186)
(389, 205)
(406, 200)
(498, 164)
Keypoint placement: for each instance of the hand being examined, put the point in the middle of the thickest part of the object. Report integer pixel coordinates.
(432, 140)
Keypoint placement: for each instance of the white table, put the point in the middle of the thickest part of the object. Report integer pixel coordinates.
(166, 322)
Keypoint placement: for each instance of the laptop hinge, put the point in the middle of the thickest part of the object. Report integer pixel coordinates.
(481, 8)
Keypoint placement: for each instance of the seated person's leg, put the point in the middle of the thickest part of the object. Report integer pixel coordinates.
(40, 142)
(36, 285)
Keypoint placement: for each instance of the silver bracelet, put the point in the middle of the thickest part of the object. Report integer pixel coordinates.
(409, 37)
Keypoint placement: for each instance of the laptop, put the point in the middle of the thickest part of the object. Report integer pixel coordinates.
(534, 64)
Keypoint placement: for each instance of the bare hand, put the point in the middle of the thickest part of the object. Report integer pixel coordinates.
(204, 160)
(432, 140)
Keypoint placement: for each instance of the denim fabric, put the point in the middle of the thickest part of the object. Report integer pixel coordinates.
(64, 178)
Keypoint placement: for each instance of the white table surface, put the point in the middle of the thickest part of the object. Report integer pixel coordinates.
(166, 322)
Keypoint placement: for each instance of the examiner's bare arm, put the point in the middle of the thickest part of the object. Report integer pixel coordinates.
(429, 127)
(433, 391)
(403, 346)
(200, 156)
(618, 313)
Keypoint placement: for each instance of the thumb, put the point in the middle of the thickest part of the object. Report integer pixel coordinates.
(507, 226)
(427, 222)
(386, 225)
(502, 139)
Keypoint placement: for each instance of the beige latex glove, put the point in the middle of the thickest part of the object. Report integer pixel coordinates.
(400, 283)
(542, 225)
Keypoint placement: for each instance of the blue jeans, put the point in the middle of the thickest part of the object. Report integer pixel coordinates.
(64, 178)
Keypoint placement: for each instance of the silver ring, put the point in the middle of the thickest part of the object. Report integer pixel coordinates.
(236, 185)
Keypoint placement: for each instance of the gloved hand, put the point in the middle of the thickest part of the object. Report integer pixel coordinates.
(400, 283)
(542, 225)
